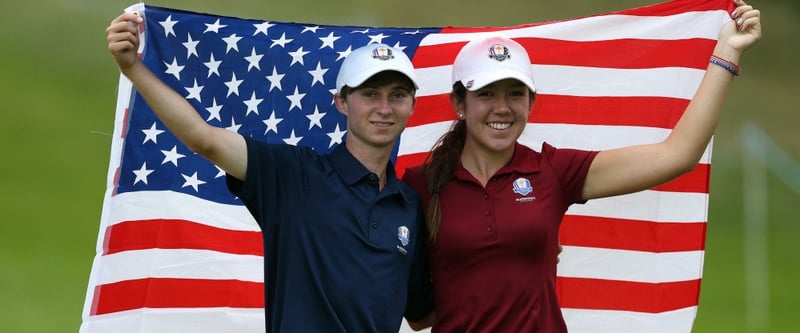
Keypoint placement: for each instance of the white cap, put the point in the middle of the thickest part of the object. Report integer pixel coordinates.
(487, 60)
(366, 61)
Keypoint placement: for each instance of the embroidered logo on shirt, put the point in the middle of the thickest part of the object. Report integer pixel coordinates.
(403, 235)
(522, 186)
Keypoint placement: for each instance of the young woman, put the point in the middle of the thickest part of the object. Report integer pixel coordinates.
(494, 241)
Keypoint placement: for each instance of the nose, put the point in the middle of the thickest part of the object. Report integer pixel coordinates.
(384, 105)
(503, 106)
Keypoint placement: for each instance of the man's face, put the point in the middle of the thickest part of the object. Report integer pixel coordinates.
(376, 115)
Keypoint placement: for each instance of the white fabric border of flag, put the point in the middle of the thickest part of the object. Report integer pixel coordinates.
(594, 321)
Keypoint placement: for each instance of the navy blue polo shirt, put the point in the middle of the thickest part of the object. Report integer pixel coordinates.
(339, 255)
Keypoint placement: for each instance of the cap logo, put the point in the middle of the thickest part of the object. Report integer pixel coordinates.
(499, 52)
(469, 84)
(382, 53)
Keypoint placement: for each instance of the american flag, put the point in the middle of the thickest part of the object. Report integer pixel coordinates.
(177, 252)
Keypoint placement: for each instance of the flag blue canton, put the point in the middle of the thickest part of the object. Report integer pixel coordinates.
(273, 81)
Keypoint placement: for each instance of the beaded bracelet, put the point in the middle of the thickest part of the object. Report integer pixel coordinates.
(729, 66)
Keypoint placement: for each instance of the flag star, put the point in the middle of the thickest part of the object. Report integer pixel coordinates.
(272, 123)
(295, 99)
(191, 46)
(297, 56)
(174, 68)
(275, 79)
(412, 32)
(232, 43)
(345, 53)
(360, 31)
(333, 95)
(192, 181)
(253, 60)
(194, 91)
(262, 27)
(336, 136)
(213, 65)
(168, 25)
(315, 119)
(317, 75)
(172, 156)
(214, 27)
(233, 85)
(292, 140)
(377, 38)
(234, 127)
(151, 134)
(310, 28)
(141, 174)
(213, 110)
(220, 172)
(252, 104)
(328, 41)
(282, 41)
(399, 47)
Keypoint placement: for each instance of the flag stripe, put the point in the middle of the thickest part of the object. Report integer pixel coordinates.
(587, 81)
(627, 296)
(626, 265)
(180, 263)
(176, 234)
(195, 320)
(178, 293)
(594, 321)
(634, 235)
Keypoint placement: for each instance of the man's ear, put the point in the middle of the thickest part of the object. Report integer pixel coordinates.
(341, 104)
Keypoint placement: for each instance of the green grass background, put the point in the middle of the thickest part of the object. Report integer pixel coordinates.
(58, 93)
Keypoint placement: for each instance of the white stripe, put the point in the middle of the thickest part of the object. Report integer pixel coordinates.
(608, 27)
(655, 206)
(607, 321)
(675, 82)
(183, 263)
(173, 205)
(638, 266)
(419, 139)
(195, 320)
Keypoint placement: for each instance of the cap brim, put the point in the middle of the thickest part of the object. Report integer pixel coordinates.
(479, 80)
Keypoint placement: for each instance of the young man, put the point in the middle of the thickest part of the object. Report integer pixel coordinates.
(343, 237)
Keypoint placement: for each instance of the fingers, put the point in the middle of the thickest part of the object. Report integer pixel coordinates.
(122, 36)
(745, 16)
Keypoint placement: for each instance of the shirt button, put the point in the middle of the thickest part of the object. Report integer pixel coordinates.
(488, 213)
(374, 226)
(485, 197)
(489, 229)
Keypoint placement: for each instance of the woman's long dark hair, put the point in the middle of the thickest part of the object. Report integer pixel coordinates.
(441, 162)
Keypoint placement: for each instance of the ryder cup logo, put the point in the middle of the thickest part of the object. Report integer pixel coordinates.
(499, 52)
(522, 186)
(382, 53)
(403, 235)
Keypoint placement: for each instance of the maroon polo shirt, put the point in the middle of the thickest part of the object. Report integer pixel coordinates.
(493, 264)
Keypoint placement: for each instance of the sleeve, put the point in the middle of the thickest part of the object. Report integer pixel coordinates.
(570, 166)
(420, 288)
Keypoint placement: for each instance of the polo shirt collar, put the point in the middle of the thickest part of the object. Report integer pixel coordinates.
(352, 171)
(524, 161)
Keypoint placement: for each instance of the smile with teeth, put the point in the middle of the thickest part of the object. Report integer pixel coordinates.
(499, 126)
(382, 124)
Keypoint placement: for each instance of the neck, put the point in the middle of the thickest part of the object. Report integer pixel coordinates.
(484, 164)
(375, 159)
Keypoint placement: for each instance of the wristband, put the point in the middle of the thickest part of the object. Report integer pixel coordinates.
(729, 66)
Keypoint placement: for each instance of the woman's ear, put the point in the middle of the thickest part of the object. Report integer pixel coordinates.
(458, 105)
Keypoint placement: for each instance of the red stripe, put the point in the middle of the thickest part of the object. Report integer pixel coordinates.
(659, 112)
(695, 181)
(633, 235)
(180, 234)
(618, 53)
(176, 293)
(596, 294)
